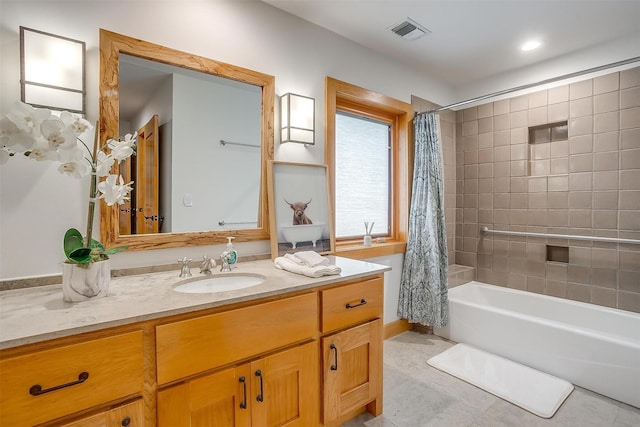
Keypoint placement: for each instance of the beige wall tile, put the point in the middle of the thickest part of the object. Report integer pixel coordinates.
(556, 289)
(470, 186)
(581, 89)
(607, 141)
(559, 166)
(630, 159)
(485, 125)
(607, 102)
(540, 151)
(604, 258)
(579, 292)
(519, 151)
(581, 107)
(537, 184)
(485, 185)
(470, 128)
(485, 201)
(604, 297)
(470, 114)
(605, 180)
(630, 281)
(485, 140)
(519, 135)
(580, 218)
(560, 149)
(581, 163)
(519, 119)
(558, 183)
(630, 199)
(518, 201)
(580, 200)
(630, 138)
(501, 138)
(581, 144)
(501, 168)
(579, 274)
(485, 170)
(630, 78)
(537, 201)
(519, 184)
(559, 200)
(537, 217)
(556, 271)
(630, 118)
(501, 122)
(580, 181)
(629, 179)
(535, 268)
(605, 219)
(538, 116)
(606, 83)
(536, 284)
(629, 261)
(558, 217)
(581, 126)
(538, 99)
(518, 216)
(629, 220)
(605, 200)
(519, 103)
(558, 94)
(606, 161)
(540, 167)
(501, 200)
(502, 153)
(606, 122)
(605, 277)
(470, 157)
(469, 142)
(629, 301)
(485, 110)
(558, 112)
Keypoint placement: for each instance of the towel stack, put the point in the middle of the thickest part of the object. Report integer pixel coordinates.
(307, 263)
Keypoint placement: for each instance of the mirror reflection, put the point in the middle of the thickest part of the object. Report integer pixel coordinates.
(209, 179)
(205, 134)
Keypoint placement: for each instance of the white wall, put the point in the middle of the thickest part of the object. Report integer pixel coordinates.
(38, 204)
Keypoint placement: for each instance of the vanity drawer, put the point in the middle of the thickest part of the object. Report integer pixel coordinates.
(351, 304)
(114, 366)
(196, 345)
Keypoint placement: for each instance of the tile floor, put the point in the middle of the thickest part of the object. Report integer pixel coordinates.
(417, 395)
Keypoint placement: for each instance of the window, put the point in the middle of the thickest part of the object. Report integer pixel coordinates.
(362, 171)
(368, 152)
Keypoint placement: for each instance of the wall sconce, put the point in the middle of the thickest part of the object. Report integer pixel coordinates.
(297, 116)
(52, 71)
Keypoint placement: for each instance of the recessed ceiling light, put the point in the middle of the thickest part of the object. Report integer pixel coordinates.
(530, 45)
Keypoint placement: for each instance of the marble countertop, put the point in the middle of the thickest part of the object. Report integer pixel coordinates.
(38, 314)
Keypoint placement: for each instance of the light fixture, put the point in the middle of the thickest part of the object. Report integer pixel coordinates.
(52, 71)
(530, 45)
(297, 116)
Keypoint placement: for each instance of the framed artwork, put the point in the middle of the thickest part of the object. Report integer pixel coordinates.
(300, 208)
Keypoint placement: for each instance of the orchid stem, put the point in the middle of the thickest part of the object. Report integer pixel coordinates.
(92, 190)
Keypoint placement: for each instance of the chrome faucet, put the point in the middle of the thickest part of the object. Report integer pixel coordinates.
(185, 271)
(225, 262)
(207, 264)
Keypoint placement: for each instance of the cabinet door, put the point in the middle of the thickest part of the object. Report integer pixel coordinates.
(285, 388)
(352, 369)
(214, 400)
(130, 415)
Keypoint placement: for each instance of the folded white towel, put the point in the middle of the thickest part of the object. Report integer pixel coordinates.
(311, 258)
(323, 270)
(294, 258)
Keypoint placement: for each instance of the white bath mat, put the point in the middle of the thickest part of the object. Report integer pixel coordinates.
(537, 392)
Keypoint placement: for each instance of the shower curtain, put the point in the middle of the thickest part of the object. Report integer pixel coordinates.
(423, 284)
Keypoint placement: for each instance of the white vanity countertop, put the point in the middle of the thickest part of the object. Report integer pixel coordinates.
(38, 314)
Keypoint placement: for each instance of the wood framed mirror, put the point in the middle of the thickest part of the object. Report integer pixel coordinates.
(205, 193)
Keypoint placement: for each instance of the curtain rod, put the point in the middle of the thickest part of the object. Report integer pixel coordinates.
(530, 85)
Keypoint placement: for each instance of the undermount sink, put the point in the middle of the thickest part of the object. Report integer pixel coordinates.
(220, 283)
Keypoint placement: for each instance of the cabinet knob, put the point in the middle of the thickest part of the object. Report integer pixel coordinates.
(334, 367)
(260, 397)
(126, 421)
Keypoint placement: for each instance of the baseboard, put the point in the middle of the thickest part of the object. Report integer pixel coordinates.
(396, 327)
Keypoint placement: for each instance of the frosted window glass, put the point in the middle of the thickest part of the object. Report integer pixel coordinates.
(362, 175)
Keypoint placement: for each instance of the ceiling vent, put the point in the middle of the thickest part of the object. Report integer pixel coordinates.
(410, 30)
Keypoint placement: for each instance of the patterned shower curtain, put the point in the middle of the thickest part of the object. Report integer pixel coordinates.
(423, 284)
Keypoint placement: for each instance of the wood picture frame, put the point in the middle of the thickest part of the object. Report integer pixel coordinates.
(301, 216)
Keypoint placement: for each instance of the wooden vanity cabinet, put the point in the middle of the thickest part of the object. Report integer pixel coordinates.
(129, 415)
(277, 390)
(273, 380)
(54, 382)
(352, 350)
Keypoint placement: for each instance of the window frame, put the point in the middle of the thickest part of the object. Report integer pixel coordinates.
(342, 96)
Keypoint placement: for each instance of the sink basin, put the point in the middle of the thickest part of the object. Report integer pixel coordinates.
(220, 283)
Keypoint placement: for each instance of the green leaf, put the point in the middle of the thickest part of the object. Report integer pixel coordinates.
(74, 247)
(115, 250)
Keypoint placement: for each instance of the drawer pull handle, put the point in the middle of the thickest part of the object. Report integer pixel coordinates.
(362, 302)
(126, 421)
(243, 404)
(260, 397)
(37, 390)
(334, 367)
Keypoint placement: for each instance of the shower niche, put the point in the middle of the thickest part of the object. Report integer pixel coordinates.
(548, 149)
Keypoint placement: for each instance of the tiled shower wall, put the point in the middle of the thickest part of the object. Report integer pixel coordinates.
(592, 188)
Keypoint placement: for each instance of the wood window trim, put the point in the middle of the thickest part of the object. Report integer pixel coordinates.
(344, 96)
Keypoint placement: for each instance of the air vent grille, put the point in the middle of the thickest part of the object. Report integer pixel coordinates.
(410, 30)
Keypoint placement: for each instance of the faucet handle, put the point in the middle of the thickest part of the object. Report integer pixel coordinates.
(185, 271)
(207, 264)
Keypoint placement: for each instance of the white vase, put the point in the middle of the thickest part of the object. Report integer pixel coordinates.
(82, 284)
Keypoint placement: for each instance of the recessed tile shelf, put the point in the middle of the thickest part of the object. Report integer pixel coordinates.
(558, 254)
(543, 160)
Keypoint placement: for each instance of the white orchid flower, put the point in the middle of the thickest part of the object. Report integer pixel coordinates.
(27, 118)
(57, 134)
(112, 192)
(123, 149)
(77, 124)
(104, 163)
(42, 152)
(75, 169)
(12, 136)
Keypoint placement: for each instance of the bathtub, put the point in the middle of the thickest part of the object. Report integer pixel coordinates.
(594, 347)
(295, 234)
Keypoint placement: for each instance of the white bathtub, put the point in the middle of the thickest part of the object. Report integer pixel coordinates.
(295, 234)
(594, 347)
